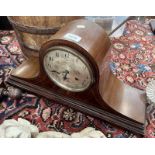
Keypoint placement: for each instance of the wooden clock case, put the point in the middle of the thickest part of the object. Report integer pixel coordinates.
(107, 97)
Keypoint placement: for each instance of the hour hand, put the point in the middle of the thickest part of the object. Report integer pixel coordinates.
(65, 76)
(54, 71)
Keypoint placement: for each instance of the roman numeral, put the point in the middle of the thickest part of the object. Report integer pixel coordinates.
(50, 58)
(57, 54)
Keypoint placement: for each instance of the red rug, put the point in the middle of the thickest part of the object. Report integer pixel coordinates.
(131, 57)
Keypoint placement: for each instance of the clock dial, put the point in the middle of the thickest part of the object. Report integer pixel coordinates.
(68, 69)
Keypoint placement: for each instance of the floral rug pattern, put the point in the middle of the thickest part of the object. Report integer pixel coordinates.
(132, 56)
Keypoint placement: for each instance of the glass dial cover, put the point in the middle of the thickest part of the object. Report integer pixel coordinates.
(67, 68)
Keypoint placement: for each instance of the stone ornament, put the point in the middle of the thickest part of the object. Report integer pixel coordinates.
(88, 132)
(17, 129)
(24, 129)
(150, 91)
(52, 134)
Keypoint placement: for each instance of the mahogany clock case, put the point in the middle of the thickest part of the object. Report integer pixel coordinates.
(107, 98)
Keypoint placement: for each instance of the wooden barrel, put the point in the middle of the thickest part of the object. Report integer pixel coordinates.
(32, 31)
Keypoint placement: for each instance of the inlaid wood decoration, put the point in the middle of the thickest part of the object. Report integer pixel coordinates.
(72, 68)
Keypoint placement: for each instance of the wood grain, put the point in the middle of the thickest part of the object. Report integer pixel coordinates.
(33, 31)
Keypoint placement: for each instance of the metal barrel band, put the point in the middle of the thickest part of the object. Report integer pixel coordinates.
(34, 29)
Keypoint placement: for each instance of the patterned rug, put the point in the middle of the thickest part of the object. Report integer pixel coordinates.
(131, 58)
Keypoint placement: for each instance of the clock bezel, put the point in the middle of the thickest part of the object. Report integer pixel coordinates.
(79, 56)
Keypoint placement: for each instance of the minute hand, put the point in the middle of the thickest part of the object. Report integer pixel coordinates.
(54, 71)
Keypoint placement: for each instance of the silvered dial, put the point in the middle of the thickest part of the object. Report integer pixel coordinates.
(68, 69)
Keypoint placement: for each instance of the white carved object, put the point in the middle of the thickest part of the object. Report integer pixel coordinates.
(52, 134)
(24, 129)
(150, 91)
(88, 132)
(85, 133)
(17, 129)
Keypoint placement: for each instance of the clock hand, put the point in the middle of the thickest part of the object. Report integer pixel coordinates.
(54, 71)
(65, 76)
(76, 79)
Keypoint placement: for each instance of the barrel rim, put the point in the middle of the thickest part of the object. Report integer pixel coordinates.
(33, 29)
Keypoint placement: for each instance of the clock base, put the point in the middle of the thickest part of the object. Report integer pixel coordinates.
(101, 113)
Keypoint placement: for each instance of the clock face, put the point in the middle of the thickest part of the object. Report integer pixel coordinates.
(68, 69)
